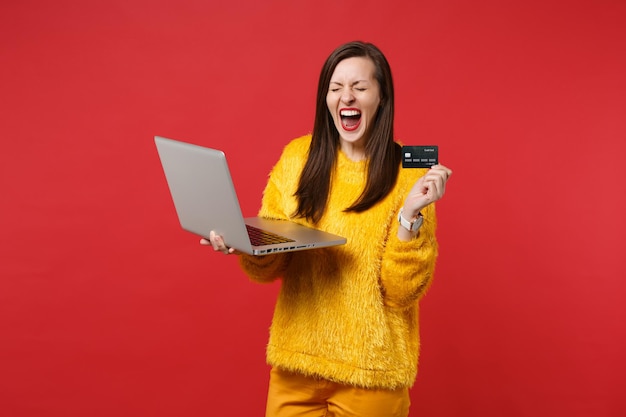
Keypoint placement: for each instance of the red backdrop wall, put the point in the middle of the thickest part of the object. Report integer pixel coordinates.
(107, 308)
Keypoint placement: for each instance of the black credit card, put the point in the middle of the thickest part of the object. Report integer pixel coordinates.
(420, 156)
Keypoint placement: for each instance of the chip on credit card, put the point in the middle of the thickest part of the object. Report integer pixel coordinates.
(420, 156)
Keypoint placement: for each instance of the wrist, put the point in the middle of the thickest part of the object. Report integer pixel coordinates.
(412, 223)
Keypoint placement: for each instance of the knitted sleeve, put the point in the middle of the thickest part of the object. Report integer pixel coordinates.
(407, 267)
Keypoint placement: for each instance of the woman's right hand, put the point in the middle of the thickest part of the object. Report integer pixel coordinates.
(218, 244)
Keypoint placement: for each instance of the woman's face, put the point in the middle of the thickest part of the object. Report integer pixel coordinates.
(353, 98)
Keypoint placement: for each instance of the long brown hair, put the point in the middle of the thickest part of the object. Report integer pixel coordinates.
(383, 155)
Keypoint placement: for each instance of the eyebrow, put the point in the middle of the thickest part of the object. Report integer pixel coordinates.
(354, 83)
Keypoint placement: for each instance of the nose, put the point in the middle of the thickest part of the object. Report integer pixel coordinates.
(347, 96)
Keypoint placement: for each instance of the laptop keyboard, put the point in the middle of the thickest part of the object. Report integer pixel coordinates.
(260, 237)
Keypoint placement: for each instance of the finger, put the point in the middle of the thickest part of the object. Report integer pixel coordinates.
(216, 241)
(441, 180)
(440, 175)
(220, 246)
(441, 187)
(436, 189)
(437, 176)
(205, 242)
(432, 193)
(443, 169)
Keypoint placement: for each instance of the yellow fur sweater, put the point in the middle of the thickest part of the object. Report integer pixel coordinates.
(348, 314)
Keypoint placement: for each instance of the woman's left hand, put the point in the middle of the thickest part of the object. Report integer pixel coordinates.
(428, 189)
(217, 242)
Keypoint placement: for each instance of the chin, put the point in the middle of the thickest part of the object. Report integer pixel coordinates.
(353, 136)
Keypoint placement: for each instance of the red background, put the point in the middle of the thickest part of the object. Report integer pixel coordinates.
(107, 308)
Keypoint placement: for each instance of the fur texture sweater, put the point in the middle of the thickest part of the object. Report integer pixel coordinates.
(349, 313)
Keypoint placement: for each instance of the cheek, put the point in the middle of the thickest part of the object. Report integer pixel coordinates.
(376, 104)
(329, 103)
(373, 109)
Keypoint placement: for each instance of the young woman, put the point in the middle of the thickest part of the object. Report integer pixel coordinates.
(344, 339)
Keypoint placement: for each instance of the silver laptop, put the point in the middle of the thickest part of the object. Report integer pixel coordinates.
(205, 199)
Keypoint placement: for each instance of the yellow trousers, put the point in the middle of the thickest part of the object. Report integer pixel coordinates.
(295, 395)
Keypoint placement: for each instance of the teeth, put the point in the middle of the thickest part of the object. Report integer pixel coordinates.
(349, 113)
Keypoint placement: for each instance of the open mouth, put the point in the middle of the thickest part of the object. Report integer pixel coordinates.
(350, 118)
